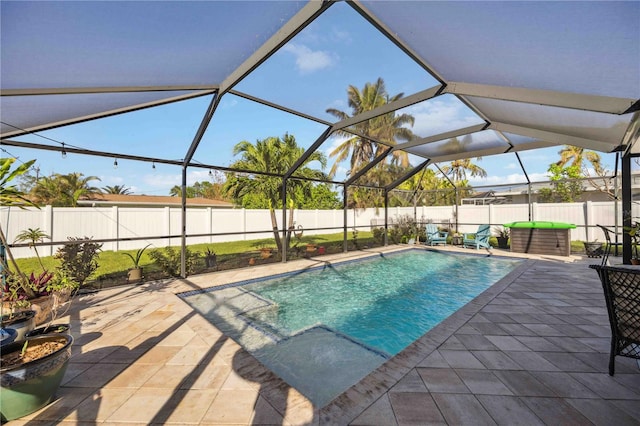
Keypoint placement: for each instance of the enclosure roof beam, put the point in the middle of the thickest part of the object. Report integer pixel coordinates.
(411, 173)
(392, 36)
(368, 167)
(553, 138)
(524, 170)
(578, 101)
(82, 119)
(443, 136)
(279, 107)
(445, 175)
(96, 90)
(82, 151)
(305, 156)
(290, 29)
(389, 107)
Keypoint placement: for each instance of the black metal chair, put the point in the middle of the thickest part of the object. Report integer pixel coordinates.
(622, 295)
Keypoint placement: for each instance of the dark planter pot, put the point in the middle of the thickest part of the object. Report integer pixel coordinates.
(50, 329)
(593, 249)
(456, 240)
(503, 242)
(28, 387)
(22, 322)
(210, 261)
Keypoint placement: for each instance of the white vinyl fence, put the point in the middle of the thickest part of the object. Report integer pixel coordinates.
(122, 223)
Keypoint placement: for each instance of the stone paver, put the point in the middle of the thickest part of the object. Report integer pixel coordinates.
(532, 349)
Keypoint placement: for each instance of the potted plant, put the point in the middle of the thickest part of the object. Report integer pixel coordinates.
(503, 237)
(134, 274)
(634, 233)
(456, 239)
(31, 373)
(31, 369)
(16, 314)
(593, 248)
(210, 258)
(265, 252)
(33, 365)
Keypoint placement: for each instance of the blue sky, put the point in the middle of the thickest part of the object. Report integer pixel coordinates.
(311, 73)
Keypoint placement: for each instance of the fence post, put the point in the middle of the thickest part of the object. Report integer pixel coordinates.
(534, 211)
(490, 214)
(167, 225)
(244, 223)
(47, 225)
(588, 214)
(210, 223)
(115, 230)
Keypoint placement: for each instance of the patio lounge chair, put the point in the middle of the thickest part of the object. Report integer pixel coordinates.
(479, 239)
(622, 295)
(435, 236)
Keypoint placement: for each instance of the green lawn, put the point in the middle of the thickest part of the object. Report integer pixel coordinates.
(113, 264)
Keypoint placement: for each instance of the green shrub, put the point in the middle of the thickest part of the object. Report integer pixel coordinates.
(378, 235)
(78, 260)
(168, 259)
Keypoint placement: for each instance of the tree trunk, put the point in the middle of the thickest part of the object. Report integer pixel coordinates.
(274, 226)
(290, 228)
(21, 276)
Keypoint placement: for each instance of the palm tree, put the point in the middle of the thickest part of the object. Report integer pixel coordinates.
(386, 128)
(576, 156)
(64, 190)
(176, 191)
(75, 185)
(458, 169)
(273, 155)
(116, 189)
(12, 196)
(33, 236)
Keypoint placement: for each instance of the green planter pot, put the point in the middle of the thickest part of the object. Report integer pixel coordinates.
(28, 387)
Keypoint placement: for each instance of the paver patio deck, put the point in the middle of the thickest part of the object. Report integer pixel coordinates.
(532, 349)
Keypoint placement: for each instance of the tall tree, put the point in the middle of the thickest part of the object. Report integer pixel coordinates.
(116, 189)
(458, 169)
(565, 187)
(577, 156)
(387, 128)
(582, 159)
(176, 191)
(273, 155)
(64, 190)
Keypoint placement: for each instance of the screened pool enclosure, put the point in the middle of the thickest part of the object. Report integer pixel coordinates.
(523, 76)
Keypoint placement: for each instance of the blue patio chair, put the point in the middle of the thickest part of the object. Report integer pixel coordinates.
(479, 239)
(435, 236)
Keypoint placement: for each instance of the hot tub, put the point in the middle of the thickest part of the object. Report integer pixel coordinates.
(541, 237)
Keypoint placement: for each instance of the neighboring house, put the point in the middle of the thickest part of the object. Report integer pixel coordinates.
(518, 193)
(120, 200)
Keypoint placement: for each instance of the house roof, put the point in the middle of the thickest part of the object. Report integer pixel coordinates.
(150, 200)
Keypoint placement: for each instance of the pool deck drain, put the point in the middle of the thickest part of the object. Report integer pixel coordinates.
(533, 347)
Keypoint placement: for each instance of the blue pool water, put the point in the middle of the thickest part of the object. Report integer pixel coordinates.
(324, 329)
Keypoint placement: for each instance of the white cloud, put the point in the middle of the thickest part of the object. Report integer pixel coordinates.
(439, 116)
(511, 166)
(514, 178)
(109, 181)
(307, 60)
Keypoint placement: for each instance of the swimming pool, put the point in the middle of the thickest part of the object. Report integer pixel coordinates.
(324, 329)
